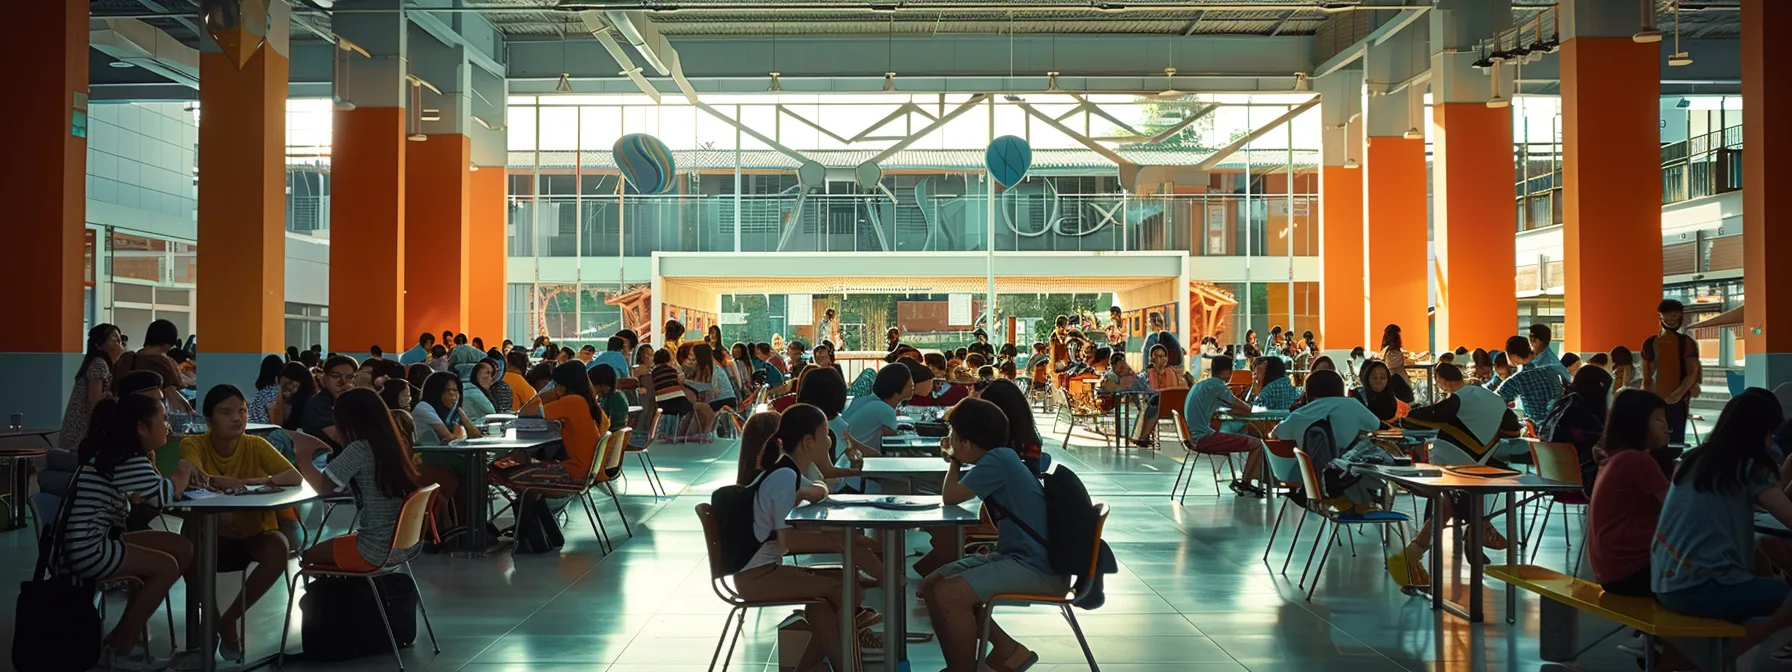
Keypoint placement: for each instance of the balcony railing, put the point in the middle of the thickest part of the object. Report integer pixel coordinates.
(1702, 165)
(1202, 224)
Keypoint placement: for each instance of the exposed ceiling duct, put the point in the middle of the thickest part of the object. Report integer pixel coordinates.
(146, 46)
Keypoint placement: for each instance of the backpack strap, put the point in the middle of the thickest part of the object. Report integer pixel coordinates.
(1003, 513)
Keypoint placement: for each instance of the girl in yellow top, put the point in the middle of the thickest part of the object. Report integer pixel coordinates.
(227, 459)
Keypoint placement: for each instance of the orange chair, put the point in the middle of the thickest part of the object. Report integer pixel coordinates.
(1064, 602)
(604, 470)
(408, 533)
(1169, 400)
(1240, 382)
(1194, 455)
(1315, 504)
(718, 581)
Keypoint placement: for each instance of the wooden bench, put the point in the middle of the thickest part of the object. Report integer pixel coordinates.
(1641, 613)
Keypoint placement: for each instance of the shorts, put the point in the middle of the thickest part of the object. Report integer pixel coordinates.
(718, 404)
(345, 551)
(1758, 597)
(997, 574)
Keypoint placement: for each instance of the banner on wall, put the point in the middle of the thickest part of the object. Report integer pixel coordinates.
(1216, 229)
(799, 310)
(958, 309)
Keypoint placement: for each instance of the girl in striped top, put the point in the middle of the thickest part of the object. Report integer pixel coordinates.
(116, 474)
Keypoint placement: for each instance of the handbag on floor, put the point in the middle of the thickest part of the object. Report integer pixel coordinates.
(536, 529)
(339, 623)
(56, 627)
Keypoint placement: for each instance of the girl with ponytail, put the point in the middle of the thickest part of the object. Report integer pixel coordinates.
(800, 440)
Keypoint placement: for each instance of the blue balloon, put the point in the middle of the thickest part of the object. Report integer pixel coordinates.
(1008, 159)
(645, 162)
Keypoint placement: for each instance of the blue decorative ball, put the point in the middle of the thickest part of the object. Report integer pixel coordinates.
(1008, 159)
(645, 162)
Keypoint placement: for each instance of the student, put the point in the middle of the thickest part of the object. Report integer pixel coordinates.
(823, 356)
(1275, 391)
(1534, 386)
(158, 339)
(1623, 369)
(1571, 364)
(1210, 396)
(1381, 390)
(1023, 433)
(1349, 421)
(484, 391)
(93, 381)
(613, 356)
(542, 348)
(1626, 504)
(1502, 369)
(296, 387)
(565, 355)
(871, 417)
(1019, 565)
(795, 355)
(934, 389)
(774, 378)
(438, 414)
(376, 465)
(420, 352)
(892, 338)
(800, 441)
(267, 390)
(512, 374)
(319, 418)
(1671, 367)
(1578, 419)
(231, 460)
(668, 388)
(582, 425)
(116, 475)
(438, 358)
(1542, 355)
(674, 332)
(540, 377)
(713, 337)
(1601, 360)
(1393, 353)
(1470, 422)
(1703, 558)
(586, 355)
(603, 388)
(826, 390)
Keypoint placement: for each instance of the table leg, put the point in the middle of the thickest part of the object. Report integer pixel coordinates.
(1511, 553)
(849, 584)
(473, 502)
(1471, 554)
(1437, 550)
(208, 592)
(895, 602)
(19, 497)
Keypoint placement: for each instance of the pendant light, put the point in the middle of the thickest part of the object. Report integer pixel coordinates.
(1496, 101)
(565, 83)
(1170, 92)
(890, 56)
(1648, 34)
(1679, 58)
(775, 86)
(1414, 102)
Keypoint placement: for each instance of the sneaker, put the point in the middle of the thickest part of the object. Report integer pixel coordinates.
(138, 660)
(190, 660)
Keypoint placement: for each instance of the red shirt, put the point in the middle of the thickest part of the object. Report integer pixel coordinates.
(1623, 514)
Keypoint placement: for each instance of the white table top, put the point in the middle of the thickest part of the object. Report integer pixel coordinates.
(851, 511)
(875, 466)
(286, 497)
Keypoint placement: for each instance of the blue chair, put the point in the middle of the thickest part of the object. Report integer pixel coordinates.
(1738, 382)
(1314, 495)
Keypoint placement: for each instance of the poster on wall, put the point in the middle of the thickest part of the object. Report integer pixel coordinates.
(958, 309)
(799, 310)
(1216, 229)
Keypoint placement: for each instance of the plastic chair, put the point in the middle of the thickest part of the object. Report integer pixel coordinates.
(330, 501)
(654, 485)
(605, 468)
(1736, 379)
(1170, 399)
(718, 581)
(1559, 462)
(1194, 455)
(1282, 450)
(408, 533)
(1065, 602)
(1314, 495)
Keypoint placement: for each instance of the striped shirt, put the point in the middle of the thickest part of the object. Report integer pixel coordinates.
(101, 504)
(377, 515)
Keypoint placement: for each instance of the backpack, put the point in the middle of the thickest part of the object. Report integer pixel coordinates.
(340, 622)
(733, 511)
(1321, 447)
(1070, 521)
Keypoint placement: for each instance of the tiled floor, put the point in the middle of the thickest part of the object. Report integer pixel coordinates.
(1193, 593)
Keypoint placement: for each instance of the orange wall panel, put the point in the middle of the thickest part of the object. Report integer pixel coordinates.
(1342, 304)
(1477, 304)
(242, 203)
(1767, 278)
(486, 281)
(46, 202)
(1611, 237)
(435, 233)
(1395, 258)
(367, 210)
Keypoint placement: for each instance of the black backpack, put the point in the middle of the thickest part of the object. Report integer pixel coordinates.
(732, 507)
(1321, 446)
(340, 622)
(1070, 520)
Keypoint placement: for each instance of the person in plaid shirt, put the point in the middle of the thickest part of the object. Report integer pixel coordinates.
(1535, 387)
(1275, 391)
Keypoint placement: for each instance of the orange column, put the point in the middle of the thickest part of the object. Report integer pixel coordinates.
(1611, 237)
(1342, 302)
(46, 199)
(435, 240)
(367, 218)
(1767, 278)
(1395, 267)
(1477, 304)
(242, 202)
(487, 253)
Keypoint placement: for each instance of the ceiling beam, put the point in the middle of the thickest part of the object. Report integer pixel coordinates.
(1281, 22)
(186, 21)
(1193, 23)
(1380, 34)
(1214, 160)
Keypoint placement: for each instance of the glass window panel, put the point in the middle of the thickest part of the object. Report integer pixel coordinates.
(599, 127)
(637, 119)
(678, 126)
(761, 118)
(559, 128)
(520, 129)
(713, 133)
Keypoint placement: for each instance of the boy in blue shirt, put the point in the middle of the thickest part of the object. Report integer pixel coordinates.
(979, 434)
